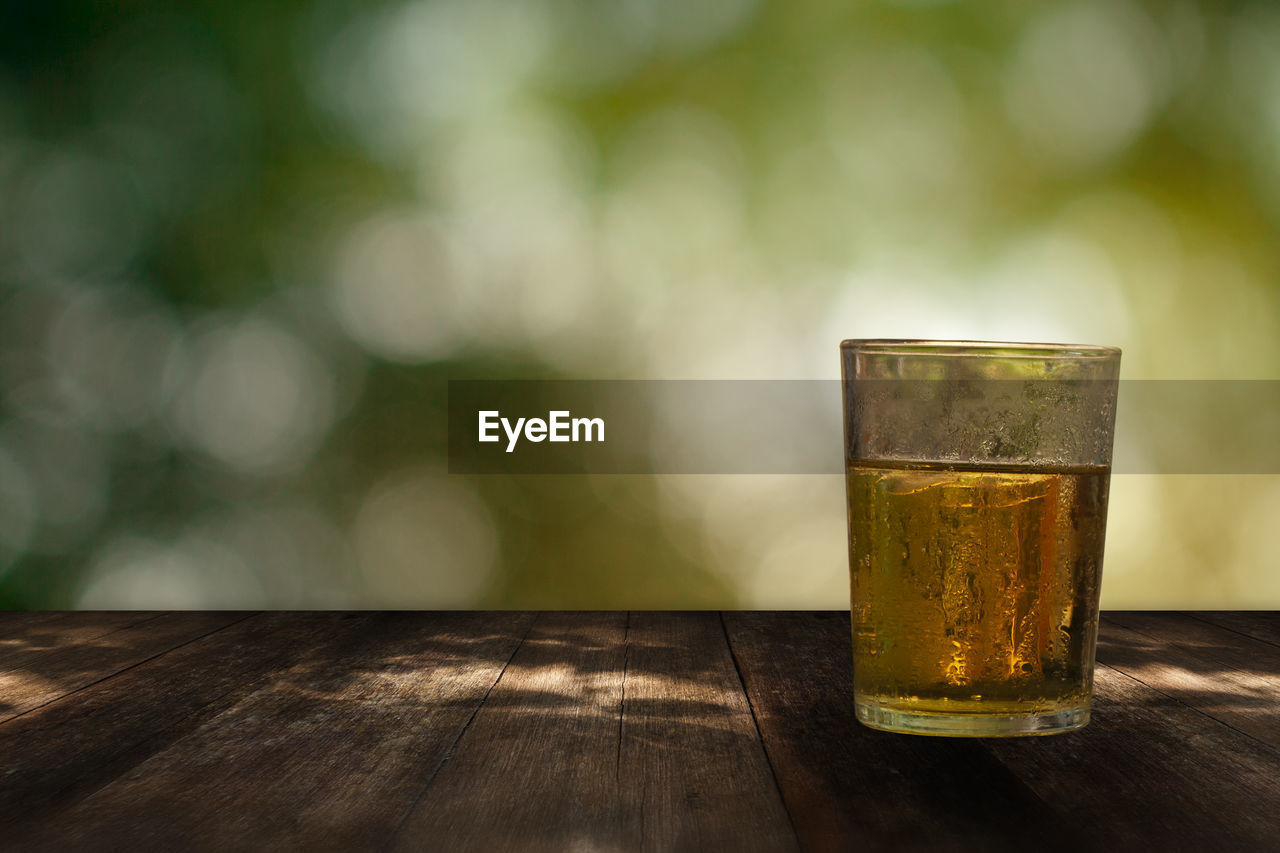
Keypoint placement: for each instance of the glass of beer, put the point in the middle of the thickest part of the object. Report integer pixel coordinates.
(977, 479)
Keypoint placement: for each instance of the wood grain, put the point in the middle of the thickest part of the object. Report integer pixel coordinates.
(615, 731)
(58, 753)
(328, 755)
(1261, 625)
(47, 630)
(39, 664)
(1150, 772)
(691, 763)
(610, 731)
(18, 621)
(537, 767)
(846, 784)
(1233, 678)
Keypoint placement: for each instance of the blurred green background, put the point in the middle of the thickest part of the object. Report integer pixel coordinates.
(243, 245)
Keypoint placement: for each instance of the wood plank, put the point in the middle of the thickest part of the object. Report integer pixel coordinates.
(59, 753)
(691, 765)
(17, 621)
(1232, 678)
(616, 732)
(329, 755)
(537, 769)
(1152, 773)
(51, 631)
(847, 785)
(41, 666)
(610, 731)
(1261, 625)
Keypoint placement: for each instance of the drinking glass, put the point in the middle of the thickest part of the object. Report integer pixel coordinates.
(977, 476)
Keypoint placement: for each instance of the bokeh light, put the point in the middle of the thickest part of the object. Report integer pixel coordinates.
(421, 536)
(1085, 80)
(244, 246)
(254, 397)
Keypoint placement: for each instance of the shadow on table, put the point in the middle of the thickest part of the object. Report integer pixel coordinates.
(376, 727)
(382, 720)
(1202, 673)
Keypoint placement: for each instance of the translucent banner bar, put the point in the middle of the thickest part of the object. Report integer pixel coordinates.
(796, 426)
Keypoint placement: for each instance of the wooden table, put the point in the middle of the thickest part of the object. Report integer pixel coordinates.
(602, 731)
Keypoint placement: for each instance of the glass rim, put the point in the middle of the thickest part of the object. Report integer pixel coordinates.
(1000, 349)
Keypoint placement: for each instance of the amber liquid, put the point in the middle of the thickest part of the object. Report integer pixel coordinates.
(975, 590)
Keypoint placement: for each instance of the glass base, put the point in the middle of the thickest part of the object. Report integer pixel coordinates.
(970, 725)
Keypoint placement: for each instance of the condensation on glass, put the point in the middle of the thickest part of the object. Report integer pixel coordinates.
(977, 481)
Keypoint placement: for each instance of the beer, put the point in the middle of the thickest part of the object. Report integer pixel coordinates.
(975, 589)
